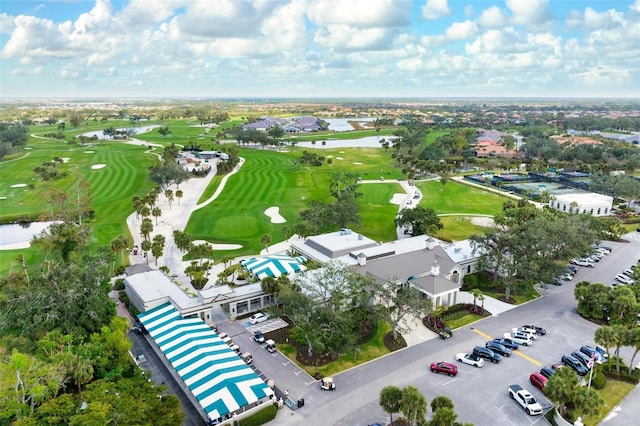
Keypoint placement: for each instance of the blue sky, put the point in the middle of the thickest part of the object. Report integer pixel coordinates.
(320, 48)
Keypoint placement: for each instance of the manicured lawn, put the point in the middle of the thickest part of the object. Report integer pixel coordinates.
(462, 321)
(370, 350)
(112, 187)
(270, 179)
(458, 228)
(613, 392)
(458, 198)
(356, 134)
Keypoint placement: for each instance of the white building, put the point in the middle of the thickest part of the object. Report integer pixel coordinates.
(584, 203)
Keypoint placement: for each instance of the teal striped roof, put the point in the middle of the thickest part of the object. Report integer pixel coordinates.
(217, 377)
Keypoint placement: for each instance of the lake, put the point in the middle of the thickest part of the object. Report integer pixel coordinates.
(15, 233)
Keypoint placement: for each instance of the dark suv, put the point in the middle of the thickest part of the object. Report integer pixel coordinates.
(573, 362)
(583, 358)
(498, 348)
(487, 354)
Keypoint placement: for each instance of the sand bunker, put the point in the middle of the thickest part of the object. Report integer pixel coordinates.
(398, 198)
(98, 166)
(341, 152)
(329, 156)
(274, 214)
(339, 158)
(357, 163)
(3, 198)
(89, 152)
(19, 185)
(219, 246)
(487, 222)
(65, 159)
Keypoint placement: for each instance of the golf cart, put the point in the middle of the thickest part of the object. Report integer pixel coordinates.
(327, 384)
(270, 345)
(445, 333)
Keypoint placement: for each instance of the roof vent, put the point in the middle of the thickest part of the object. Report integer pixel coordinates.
(457, 249)
(360, 236)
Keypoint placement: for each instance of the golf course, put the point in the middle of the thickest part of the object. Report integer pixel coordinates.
(112, 172)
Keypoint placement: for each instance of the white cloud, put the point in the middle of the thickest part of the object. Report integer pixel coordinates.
(341, 37)
(434, 9)
(360, 13)
(7, 24)
(457, 31)
(492, 18)
(530, 13)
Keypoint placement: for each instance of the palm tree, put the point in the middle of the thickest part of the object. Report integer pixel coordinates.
(179, 195)
(444, 417)
(265, 240)
(146, 228)
(82, 372)
(324, 143)
(413, 405)
(156, 212)
(390, 400)
(146, 246)
(286, 231)
(561, 387)
(169, 194)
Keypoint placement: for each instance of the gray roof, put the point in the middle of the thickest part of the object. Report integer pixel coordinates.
(434, 284)
(402, 266)
(138, 268)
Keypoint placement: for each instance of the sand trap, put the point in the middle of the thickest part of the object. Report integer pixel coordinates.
(3, 198)
(19, 185)
(341, 152)
(482, 221)
(28, 148)
(219, 246)
(98, 166)
(274, 214)
(398, 198)
(65, 159)
(284, 150)
(16, 246)
(89, 152)
(339, 158)
(357, 163)
(329, 156)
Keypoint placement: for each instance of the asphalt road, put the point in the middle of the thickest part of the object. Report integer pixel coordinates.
(480, 395)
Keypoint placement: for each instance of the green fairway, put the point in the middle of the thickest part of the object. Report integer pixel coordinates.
(457, 228)
(112, 187)
(271, 179)
(455, 197)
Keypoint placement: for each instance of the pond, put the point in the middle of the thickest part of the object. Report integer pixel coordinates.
(138, 130)
(15, 233)
(342, 124)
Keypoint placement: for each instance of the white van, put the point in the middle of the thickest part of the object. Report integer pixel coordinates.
(519, 338)
(528, 331)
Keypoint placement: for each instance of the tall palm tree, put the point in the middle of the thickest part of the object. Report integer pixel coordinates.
(179, 195)
(390, 397)
(413, 405)
(146, 228)
(156, 212)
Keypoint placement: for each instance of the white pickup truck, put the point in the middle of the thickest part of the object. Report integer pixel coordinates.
(525, 399)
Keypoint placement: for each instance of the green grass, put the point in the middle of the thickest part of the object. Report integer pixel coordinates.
(366, 352)
(613, 392)
(458, 198)
(458, 228)
(517, 299)
(355, 134)
(269, 179)
(462, 321)
(112, 187)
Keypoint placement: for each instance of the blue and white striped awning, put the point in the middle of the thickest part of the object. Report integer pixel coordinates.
(217, 377)
(274, 265)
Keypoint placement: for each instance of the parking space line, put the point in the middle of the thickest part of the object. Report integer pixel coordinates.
(518, 352)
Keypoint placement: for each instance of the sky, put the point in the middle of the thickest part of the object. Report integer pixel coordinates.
(319, 48)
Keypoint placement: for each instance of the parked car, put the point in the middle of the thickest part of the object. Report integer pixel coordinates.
(507, 343)
(547, 372)
(582, 262)
(624, 279)
(538, 330)
(566, 276)
(532, 333)
(628, 272)
(258, 318)
(582, 357)
(498, 348)
(444, 368)
(590, 351)
(572, 269)
(258, 336)
(487, 354)
(602, 250)
(607, 248)
(520, 338)
(470, 359)
(538, 380)
(596, 256)
(573, 362)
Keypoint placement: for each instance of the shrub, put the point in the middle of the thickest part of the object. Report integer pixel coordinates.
(261, 417)
(599, 380)
(119, 284)
(609, 370)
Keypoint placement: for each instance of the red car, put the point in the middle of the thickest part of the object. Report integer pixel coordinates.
(444, 368)
(538, 380)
